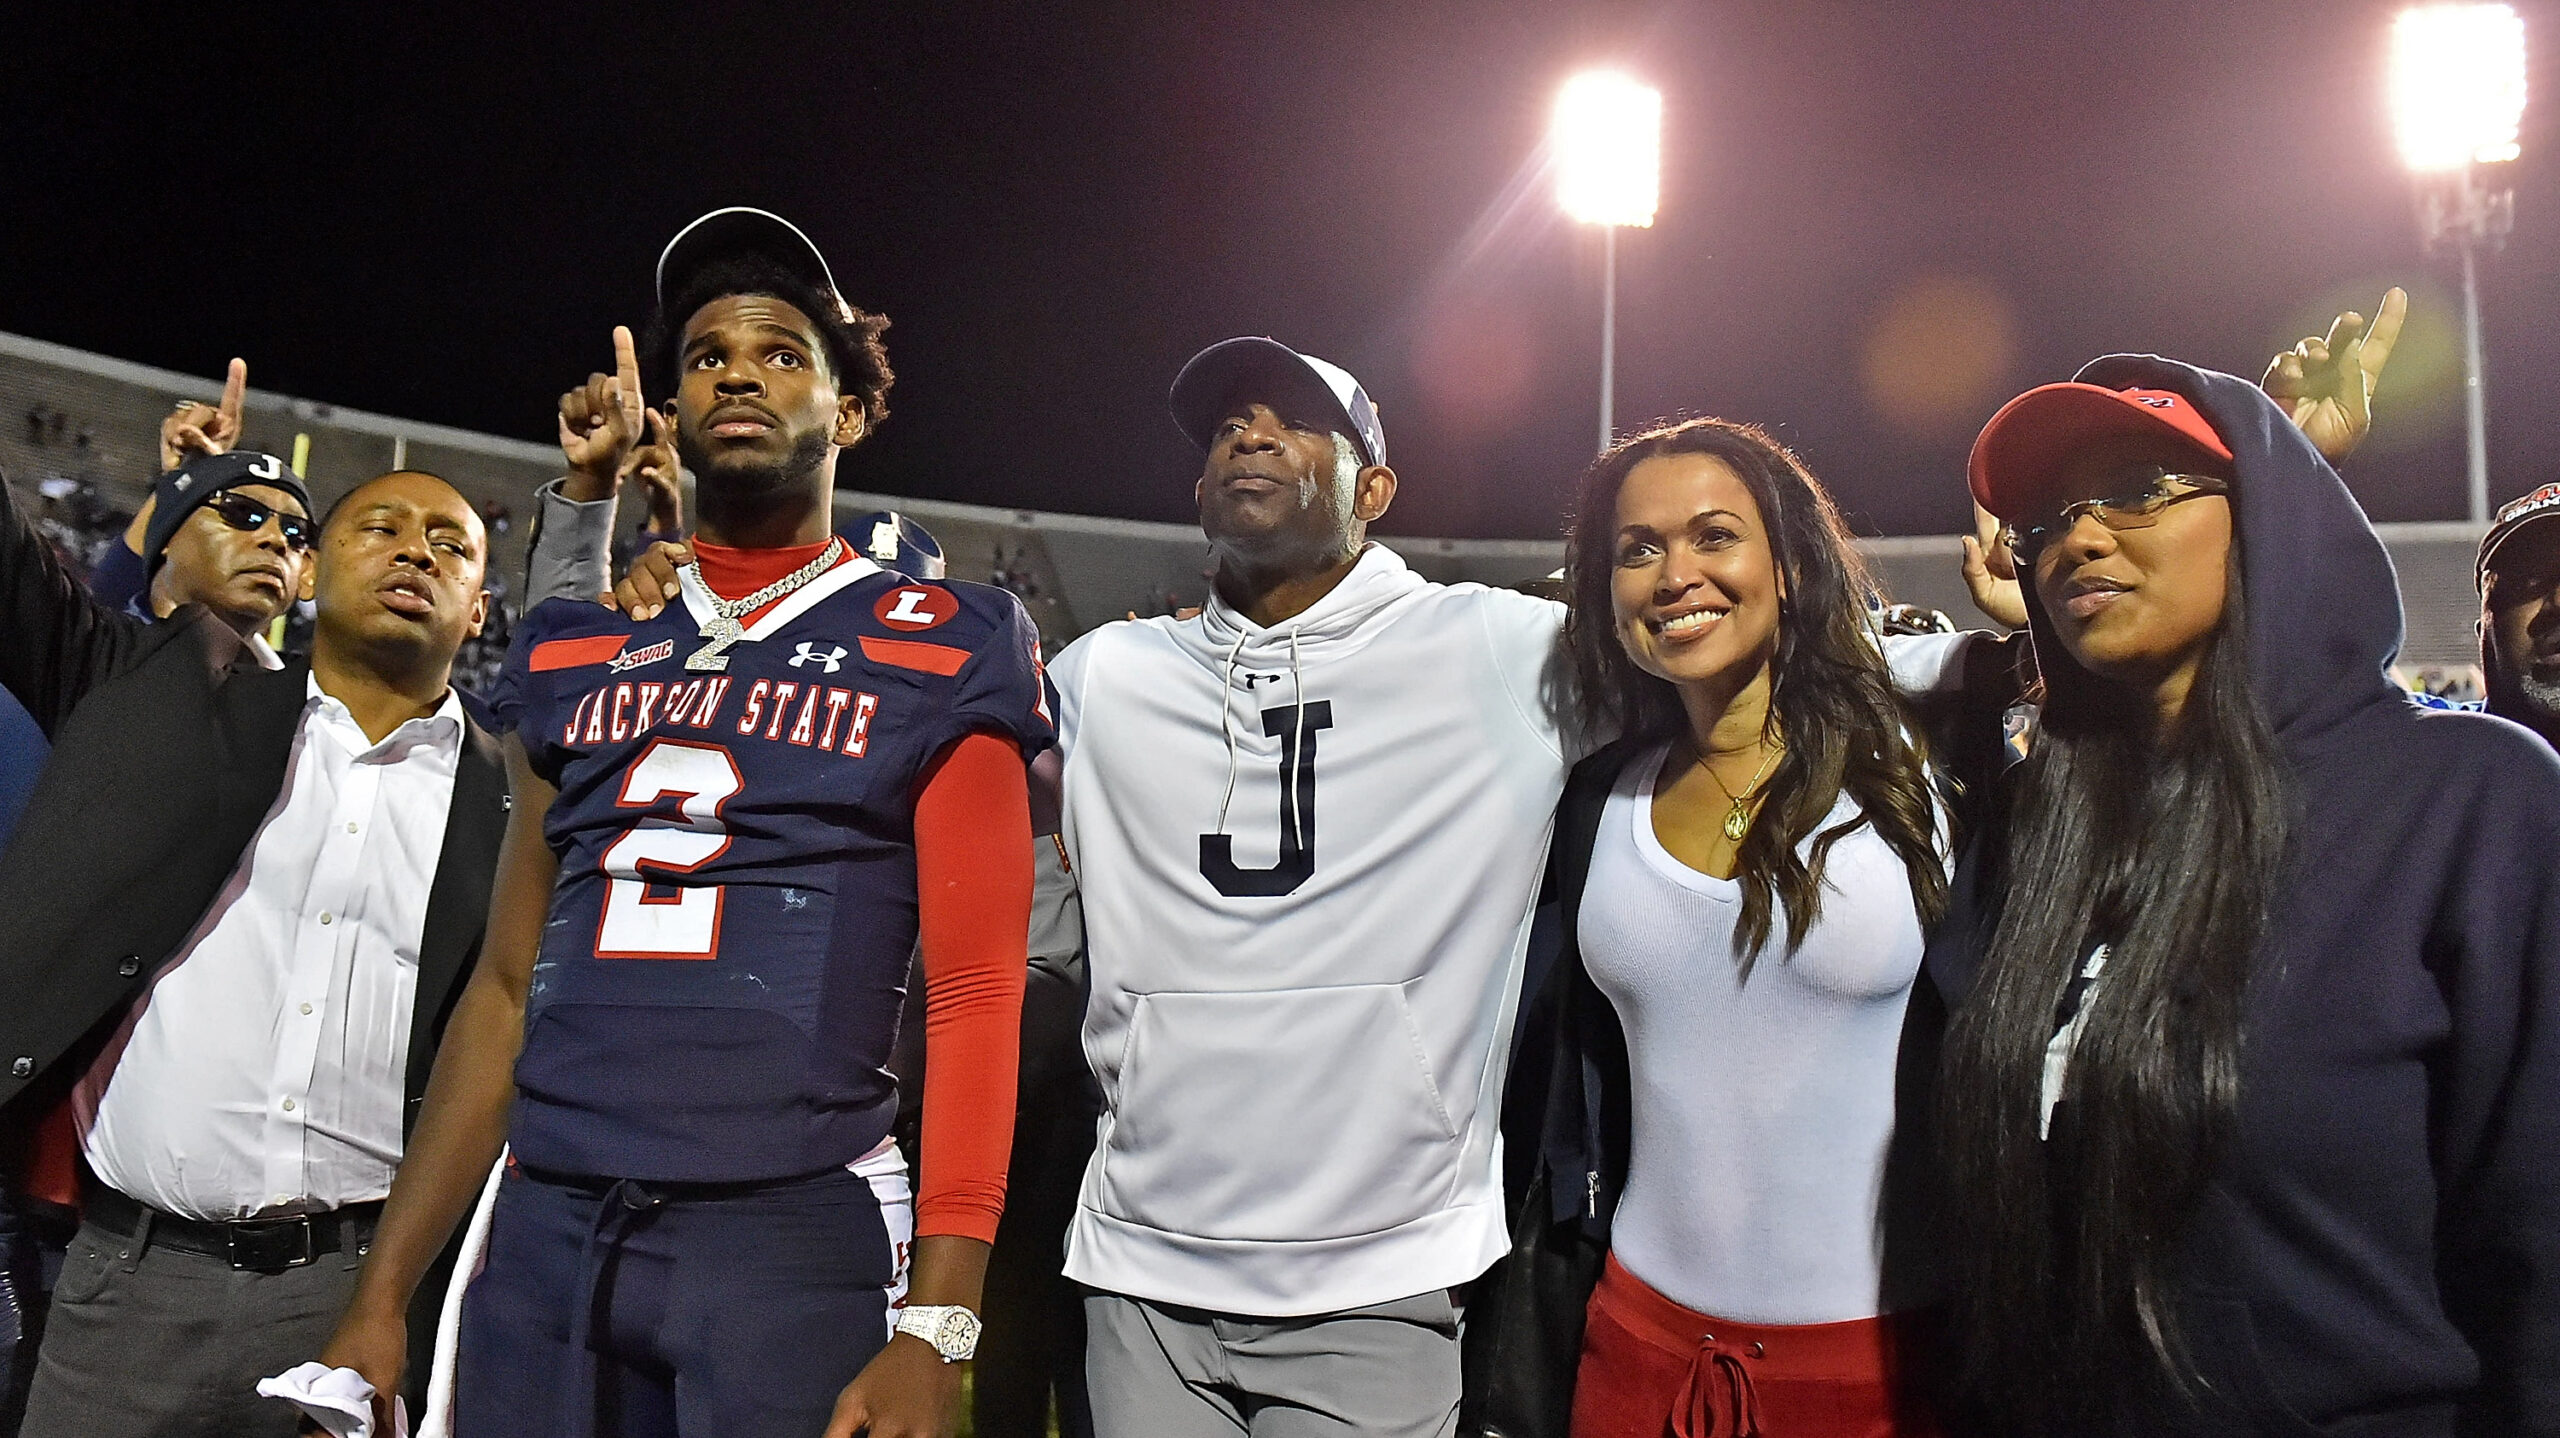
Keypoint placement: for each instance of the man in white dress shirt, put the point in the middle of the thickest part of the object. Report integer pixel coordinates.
(296, 896)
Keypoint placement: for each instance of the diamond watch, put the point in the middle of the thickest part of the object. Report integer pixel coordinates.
(951, 1329)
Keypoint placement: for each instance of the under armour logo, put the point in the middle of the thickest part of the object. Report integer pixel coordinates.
(808, 654)
(2156, 401)
(1251, 679)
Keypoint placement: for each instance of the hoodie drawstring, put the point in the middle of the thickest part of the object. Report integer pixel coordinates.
(1226, 722)
(1297, 740)
(1227, 730)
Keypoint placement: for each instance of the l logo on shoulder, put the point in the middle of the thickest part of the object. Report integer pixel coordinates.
(916, 606)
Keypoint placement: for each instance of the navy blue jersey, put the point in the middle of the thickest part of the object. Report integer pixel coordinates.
(728, 946)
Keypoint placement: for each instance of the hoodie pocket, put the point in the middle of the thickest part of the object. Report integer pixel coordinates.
(1304, 1114)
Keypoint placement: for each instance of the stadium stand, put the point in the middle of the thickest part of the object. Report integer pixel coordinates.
(78, 435)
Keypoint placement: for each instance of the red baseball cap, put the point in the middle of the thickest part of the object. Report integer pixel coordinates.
(2021, 452)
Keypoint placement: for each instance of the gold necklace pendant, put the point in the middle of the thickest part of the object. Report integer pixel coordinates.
(1737, 820)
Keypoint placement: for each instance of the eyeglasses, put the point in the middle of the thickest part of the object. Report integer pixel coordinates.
(2136, 509)
(248, 516)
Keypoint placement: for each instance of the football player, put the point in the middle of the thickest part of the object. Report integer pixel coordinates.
(733, 822)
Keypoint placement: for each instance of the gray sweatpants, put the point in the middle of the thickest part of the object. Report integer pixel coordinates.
(147, 1342)
(1386, 1371)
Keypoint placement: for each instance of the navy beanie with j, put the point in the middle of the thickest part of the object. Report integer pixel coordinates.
(180, 490)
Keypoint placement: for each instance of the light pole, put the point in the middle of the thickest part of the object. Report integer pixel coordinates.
(1607, 143)
(2457, 101)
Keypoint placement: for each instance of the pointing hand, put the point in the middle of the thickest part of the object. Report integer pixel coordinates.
(198, 428)
(600, 422)
(2327, 384)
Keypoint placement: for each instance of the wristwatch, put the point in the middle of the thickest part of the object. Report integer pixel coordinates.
(951, 1329)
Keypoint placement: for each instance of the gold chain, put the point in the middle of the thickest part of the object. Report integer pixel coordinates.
(1737, 820)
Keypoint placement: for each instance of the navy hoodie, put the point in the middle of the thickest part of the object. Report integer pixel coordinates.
(2378, 1249)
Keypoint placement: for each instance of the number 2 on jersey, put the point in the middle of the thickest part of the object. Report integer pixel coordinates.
(686, 923)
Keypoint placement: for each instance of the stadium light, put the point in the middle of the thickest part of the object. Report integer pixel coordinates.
(1607, 143)
(1608, 146)
(2457, 103)
(2457, 85)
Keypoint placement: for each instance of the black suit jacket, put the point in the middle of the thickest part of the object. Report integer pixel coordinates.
(170, 745)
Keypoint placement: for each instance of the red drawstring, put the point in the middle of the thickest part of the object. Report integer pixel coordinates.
(1709, 1408)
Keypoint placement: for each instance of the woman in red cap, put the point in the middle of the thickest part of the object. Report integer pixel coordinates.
(2250, 1101)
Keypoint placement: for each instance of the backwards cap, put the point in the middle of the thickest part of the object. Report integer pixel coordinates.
(745, 230)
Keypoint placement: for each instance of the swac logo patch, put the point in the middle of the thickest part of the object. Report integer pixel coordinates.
(917, 606)
(663, 649)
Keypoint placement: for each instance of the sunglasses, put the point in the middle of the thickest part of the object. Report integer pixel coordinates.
(2136, 509)
(248, 515)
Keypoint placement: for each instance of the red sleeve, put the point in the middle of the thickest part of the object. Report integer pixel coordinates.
(973, 901)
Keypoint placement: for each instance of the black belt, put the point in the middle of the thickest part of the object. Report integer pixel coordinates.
(265, 1245)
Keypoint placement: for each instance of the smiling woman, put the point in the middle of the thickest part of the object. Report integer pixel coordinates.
(1757, 859)
(1717, 605)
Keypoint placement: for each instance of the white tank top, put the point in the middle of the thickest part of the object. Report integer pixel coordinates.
(1762, 1110)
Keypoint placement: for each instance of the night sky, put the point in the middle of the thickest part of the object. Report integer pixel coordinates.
(1878, 220)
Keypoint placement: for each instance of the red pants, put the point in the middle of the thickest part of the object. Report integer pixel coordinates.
(1653, 1369)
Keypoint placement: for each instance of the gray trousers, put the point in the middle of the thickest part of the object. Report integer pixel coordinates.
(1386, 1371)
(144, 1342)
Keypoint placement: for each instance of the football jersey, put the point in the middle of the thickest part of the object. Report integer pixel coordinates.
(728, 944)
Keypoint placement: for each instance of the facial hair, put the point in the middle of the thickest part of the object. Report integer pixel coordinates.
(2542, 694)
(1346, 484)
(745, 481)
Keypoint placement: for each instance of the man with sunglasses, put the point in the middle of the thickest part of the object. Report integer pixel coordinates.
(174, 552)
(243, 900)
(232, 532)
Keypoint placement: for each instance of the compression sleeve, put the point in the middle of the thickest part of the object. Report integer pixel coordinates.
(973, 901)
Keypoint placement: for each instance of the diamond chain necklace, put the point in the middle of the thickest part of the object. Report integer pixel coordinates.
(723, 629)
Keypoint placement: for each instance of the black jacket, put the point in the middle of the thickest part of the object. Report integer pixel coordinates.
(170, 745)
(2378, 1248)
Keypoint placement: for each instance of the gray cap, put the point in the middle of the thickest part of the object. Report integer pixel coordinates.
(1226, 371)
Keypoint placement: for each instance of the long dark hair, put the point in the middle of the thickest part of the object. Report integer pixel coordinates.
(2165, 844)
(1832, 701)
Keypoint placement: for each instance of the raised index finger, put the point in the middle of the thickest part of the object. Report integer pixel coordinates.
(2385, 332)
(235, 385)
(626, 368)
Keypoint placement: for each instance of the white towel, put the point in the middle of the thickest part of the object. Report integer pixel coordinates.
(337, 1399)
(466, 1267)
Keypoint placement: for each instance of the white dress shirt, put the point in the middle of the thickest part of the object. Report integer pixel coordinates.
(263, 1073)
